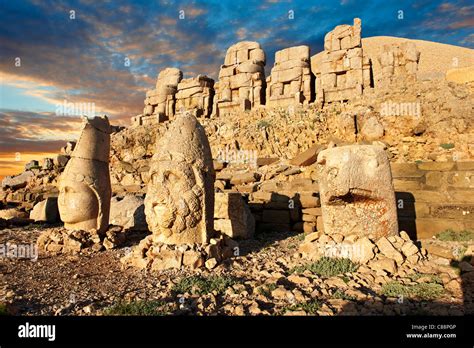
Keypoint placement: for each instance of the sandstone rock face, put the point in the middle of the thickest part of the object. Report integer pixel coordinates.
(84, 188)
(128, 212)
(179, 204)
(68, 148)
(345, 70)
(232, 216)
(356, 190)
(399, 62)
(195, 94)
(17, 181)
(46, 210)
(290, 81)
(241, 78)
(160, 102)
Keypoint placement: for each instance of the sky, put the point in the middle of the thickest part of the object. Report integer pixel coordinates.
(107, 54)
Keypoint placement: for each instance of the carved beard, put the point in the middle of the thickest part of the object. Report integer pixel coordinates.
(181, 212)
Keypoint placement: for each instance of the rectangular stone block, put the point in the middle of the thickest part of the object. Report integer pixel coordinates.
(307, 157)
(309, 218)
(309, 201)
(465, 165)
(464, 196)
(440, 166)
(402, 185)
(312, 211)
(298, 52)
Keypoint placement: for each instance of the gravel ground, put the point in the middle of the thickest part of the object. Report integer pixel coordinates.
(261, 282)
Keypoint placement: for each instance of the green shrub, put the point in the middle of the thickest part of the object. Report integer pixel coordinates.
(447, 146)
(266, 290)
(328, 267)
(201, 285)
(3, 309)
(310, 307)
(423, 291)
(137, 308)
(453, 236)
(342, 295)
(263, 124)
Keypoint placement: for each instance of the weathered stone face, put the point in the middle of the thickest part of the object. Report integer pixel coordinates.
(84, 188)
(179, 204)
(357, 195)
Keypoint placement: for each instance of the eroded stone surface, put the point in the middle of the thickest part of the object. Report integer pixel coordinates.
(84, 188)
(179, 204)
(356, 191)
(241, 84)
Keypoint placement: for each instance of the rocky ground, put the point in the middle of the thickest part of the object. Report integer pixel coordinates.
(268, 278)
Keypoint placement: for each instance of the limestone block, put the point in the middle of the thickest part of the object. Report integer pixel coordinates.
(258, 55)
(232, 216)
(46, 210)
(128, 212)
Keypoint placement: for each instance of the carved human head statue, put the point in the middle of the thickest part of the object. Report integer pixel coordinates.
(84, 187)
(179, 204)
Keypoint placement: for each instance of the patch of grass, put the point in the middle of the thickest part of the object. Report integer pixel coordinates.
(300, 237)
(3, 309)
(342, 295)
(447, 146)
(263, 124)
(328, 267)
(453, 236)
(423, 291)
(201, 285)
(140, 308)
(310, 307)
(434, 278)
(266, 290)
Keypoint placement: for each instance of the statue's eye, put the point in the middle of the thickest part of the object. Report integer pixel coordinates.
(68, 189)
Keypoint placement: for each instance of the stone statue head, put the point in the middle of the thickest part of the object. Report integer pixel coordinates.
(84, 187)
(179, 203)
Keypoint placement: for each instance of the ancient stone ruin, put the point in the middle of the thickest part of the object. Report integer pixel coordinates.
(399, 62)
(160, 102)
(356, 191)
(241, 84)
(345, 70)
(195, 94)
(84, 189)
(290, 82)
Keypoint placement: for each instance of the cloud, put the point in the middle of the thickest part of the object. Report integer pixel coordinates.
(112, 52)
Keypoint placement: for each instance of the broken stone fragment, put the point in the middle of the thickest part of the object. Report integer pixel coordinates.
(356, 191)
